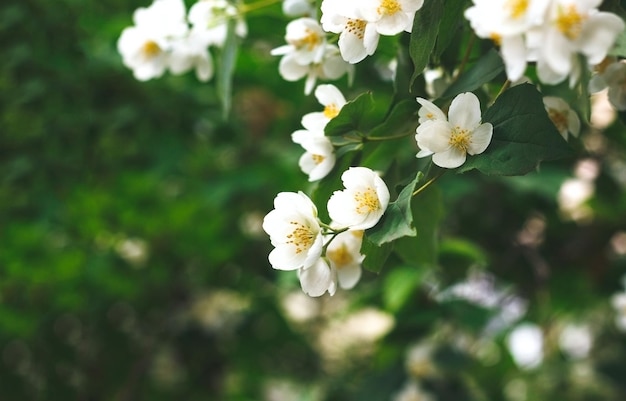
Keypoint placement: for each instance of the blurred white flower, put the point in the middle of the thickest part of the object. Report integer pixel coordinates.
(412, 391)
(297, 8)
(390, 17)
(525, 344)
(294, 231)
(618, 301)
(449, 141)
(576, 340)
(563, 117)
(611, 74)
(209, 21)
(191, 52)
(306, 42)
(362, 203)
(419, 360)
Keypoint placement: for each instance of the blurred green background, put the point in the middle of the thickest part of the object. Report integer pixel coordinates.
(133, 266)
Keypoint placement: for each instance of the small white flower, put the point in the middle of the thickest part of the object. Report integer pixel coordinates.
(449, 141)
(294, 231)
(611, 74)
(525, 344)
(319, 158)
(191, 52)
(332, 67)
(209, 20)
(357, 38)
(344, 255)
(306, 42)
(297, 8)
(332, 99)
(429, 111)
(563, 117)
(317, 279)
(390, 16)
(361, 205)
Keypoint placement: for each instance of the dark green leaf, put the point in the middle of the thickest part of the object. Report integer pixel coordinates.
(486, 68)
(424, 34)
(397, 221)
(421, 250)
(399, 285)
(523, 135)
(375, 256)
(402, 119)
(451, 20)
(353, 117)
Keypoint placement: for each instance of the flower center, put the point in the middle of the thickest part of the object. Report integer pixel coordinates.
(367, 201)
(340, 257)
(517, 8)
(309, 40)
(301, 236)
(317, 159)
(558, 118)
(356, 27)
(389, 7)
(460, 139)
(569, 21)
(496, 37)
(150, 49)
(331, 110)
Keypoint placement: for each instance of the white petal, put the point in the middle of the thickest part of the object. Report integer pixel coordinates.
(514, 54)
(351, 47)
(434, 136)
(481, 138)
(284, 257)
(451, 158)
(349, 275)
(557, 52)
(464, 111)
(429, 111)
(598, 35)
(329, 94)
(316, 280)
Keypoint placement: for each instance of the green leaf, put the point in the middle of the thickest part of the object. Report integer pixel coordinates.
(226, 70)
(523, 135)
(486, 69)
(451, 20)
(421, 250)
(397, 221)
(375, 256)
(354, 116)
(424, 35)
(402, 119)
(399, 285)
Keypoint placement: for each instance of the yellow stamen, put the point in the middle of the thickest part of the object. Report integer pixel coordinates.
(460, 139)
(517, 8)
(389, 7)
(310, 40)
(367, 201)
(331, 110)
(340, 256)
(317, 159)
(559, 119)
(301, 237)
(569, 21)
(150, 49)
(356, 27)
(496, 37)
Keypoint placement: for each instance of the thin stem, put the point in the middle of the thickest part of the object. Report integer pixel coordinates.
(427, 183)
(387, 138)
(335, 234)
(505, 86)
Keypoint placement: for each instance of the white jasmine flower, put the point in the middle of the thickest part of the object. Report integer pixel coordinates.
(618, 301)
(145, 46)
(319, 158)
(306, 42)
(358, 38)
(318, 279)
(209, 20)
(332, 66)
(344, 255)
(449, 141)
(575, 27)
(429, 111)
(294, 231)
(362, 203)
(563, 117)
(191, 52)
(332, 99)
(390, 17)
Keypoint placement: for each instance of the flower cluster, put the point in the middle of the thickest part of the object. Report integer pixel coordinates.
(449, 140)
(319, 157)
(308, 54)
(360, 23)
(326, 255)
(552, 33)
(164, 37)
